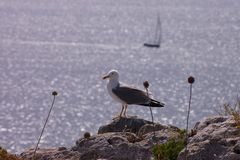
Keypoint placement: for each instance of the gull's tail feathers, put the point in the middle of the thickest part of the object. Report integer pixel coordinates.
(154, 103)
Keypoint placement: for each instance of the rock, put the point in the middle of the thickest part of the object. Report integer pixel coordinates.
(214, 138)
(62, 148)
(236, 148)
(157, 134)
(159, 137)
(147, 128)
(131, 124)
(209, 120)
(217, 138)
(122, 139)
(231, 156)
(111, 146)
(51, 154)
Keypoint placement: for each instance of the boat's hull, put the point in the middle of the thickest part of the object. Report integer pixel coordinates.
(151, 45)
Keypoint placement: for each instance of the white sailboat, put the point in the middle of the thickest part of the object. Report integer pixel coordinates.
(156, 41)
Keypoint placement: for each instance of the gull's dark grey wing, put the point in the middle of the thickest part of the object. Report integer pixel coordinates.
(131, 95)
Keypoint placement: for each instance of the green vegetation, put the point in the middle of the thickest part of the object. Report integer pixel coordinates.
(170, 149)
(4, 155)
(232, 110)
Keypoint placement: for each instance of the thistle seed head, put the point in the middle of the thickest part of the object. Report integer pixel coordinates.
(191, 80)
(146, 84)
(54, 93)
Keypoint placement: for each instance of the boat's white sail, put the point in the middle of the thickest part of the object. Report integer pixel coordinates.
(156, 41)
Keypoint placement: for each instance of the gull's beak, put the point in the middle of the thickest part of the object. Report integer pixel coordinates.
(106, 77)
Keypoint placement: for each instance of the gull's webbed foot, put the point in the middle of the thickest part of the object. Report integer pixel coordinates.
(117, 117)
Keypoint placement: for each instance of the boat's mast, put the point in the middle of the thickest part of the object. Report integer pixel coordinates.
(158, 31)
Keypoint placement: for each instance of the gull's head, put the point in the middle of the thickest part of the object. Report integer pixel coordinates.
(112, 75)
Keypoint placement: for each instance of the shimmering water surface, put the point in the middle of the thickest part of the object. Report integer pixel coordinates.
(67, 45)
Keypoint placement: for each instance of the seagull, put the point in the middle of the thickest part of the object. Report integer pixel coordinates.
(127, 95)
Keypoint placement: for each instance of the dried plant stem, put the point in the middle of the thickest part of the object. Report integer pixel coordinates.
(43, 128)
(151, 114)
(188, 113)
(150, 110)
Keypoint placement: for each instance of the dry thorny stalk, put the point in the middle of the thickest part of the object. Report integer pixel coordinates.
(233, 110)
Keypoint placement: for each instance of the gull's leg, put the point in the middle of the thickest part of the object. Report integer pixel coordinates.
(120, 115)
(125, 110)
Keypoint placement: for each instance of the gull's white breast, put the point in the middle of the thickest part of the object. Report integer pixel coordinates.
(112, 85)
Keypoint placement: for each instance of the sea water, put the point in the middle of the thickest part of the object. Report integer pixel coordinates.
(68, 45)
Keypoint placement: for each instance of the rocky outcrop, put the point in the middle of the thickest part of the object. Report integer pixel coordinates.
(214, 138)
(60, 153)
(132, 125)
(217, 138)
(126, 139)
(122, 139)
(112, 146)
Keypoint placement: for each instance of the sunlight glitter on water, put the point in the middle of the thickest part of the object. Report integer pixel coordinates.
(69, 46)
